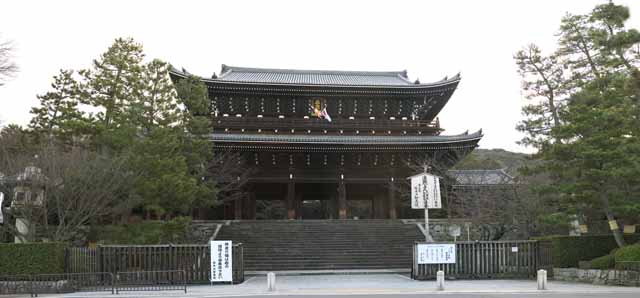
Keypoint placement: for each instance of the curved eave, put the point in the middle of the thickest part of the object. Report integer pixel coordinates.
(218, 83)
(344, 140)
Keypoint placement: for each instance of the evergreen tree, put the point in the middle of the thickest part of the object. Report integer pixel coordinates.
(595, 158)
(193, 95)
(113, 85)
(58, 115)
(543, 84)
(157, 104)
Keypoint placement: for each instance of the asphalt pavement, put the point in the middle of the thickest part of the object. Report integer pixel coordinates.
(380, 285)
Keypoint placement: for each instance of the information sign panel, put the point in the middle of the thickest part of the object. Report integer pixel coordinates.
(436, 253)
(221, 261)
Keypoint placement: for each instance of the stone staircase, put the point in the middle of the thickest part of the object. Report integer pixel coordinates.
(277, 245)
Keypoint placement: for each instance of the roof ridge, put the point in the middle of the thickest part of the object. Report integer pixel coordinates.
(228, 69)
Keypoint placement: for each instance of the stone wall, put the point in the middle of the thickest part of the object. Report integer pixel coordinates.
(597, 277)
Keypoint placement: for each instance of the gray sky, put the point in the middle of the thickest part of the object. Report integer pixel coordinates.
(430, 39)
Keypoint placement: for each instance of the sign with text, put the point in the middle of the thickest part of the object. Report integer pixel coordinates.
(436, 253)
(425, 187)
(221, 261)
(1, 216)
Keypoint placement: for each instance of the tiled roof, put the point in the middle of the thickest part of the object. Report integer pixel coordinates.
(342, 139)
(481, 177)
(314, 77)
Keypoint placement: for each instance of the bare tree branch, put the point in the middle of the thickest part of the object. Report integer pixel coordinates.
(8, 68)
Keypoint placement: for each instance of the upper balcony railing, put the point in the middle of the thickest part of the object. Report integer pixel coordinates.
(316, 123)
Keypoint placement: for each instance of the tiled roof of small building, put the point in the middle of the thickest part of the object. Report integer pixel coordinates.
(481, 177)
(342, 139)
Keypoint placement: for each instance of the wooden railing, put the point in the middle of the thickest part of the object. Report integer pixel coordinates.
(288, 123)
(490, 259)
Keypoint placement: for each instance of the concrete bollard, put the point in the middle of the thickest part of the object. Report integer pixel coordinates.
(542, 279)
(271, 281)
(440, 280)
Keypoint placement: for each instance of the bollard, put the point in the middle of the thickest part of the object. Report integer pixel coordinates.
(440, 280)
(542, 279)
(271, 281)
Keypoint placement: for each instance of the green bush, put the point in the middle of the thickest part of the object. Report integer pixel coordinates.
(629, 253)
(144, 233)
(567, 251)
(604, 262)
(31, 258)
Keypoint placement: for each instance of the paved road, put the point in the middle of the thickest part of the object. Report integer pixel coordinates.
(380, 285)
(479, 295)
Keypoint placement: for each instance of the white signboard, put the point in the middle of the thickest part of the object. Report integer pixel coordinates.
(436, 253)
(425, 187)
(221, 261)
(1, 199)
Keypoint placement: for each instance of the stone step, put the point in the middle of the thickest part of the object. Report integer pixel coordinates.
(323, 244)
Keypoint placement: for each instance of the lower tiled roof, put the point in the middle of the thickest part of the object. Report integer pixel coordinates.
(342, 139)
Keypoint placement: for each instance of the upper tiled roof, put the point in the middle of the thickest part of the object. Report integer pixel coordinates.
(481, 177)
(343, 139)
(314, 77)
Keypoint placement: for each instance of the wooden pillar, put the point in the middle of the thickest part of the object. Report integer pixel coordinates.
(342, 200)
(392, 200)
(291, 196)
(298, 204)
(379, 210)
(237, 204)
(252, 205)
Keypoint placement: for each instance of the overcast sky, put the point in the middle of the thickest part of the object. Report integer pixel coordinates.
(430, 39)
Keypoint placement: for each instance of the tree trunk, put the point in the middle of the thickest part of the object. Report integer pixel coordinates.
(617, 234)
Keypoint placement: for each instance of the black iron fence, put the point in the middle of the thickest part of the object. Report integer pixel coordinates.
(151, 281)
(627, 273)
(194, 260)
(489, 259)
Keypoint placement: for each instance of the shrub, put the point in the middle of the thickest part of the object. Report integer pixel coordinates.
(604, 262)
(31, 258)
(567, 251)
(629, 253)
(145, 233)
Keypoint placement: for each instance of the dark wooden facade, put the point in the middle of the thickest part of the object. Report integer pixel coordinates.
(381, 124)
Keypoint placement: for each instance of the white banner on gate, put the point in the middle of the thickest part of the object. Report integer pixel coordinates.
(221, 261)
(417, 192)
(436, 253)
(425, 187)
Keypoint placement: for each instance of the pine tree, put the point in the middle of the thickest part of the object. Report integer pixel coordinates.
(112, 85)
(595, 160)
(197, 149)
(58, 115)
(157, 104)
(542, 82)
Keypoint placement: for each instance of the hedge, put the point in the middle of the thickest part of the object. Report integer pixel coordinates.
(630, 253)
(603, 263)
(31, 258)
(569, 250)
